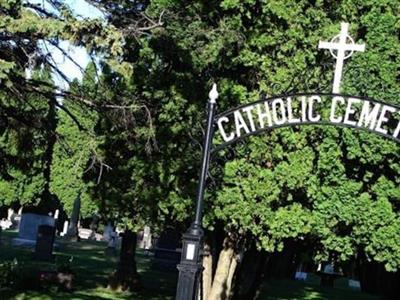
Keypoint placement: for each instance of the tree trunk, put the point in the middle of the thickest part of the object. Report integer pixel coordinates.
(207, 272)
(126, 276)
(231, 273)
(219, 288)
(250, 274)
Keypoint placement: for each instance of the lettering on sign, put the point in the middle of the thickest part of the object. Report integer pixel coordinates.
(348, 111)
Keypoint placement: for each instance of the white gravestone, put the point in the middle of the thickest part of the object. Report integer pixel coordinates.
(56, 214)
(65, 228)
(10, 212)
(84, 233)
(28, 229)
(6, 223)
(145, 242)
(87, 234)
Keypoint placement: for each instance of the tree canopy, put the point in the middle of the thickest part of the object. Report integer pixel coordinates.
(335, 189)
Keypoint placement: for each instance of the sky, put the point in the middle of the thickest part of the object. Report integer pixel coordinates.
(79, 54)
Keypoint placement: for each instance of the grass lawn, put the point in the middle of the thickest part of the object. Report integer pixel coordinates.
(92, 268)
(296, 290)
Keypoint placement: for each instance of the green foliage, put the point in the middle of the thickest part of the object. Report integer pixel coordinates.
(25, 146)
(335, 187)
(338, 188)
(71, 159)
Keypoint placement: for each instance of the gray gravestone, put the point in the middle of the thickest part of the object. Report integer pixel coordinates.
(28, 229)
(93, 227)
(108, 230)
(15, 221)
(166, 252)
(45, 243)
(73, 233)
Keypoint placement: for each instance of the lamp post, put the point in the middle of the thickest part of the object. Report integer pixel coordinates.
(190, 266)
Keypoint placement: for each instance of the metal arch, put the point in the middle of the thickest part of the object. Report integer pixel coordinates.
(269, 99)
(327, 123)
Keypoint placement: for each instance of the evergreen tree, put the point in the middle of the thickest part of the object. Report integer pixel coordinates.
(26, 150)
(75, 152)
(322, 186)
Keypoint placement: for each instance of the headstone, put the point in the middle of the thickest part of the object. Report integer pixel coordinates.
(329, 269)
(87, 234)
(10, 212)
(300, 275)
(15, 221)
(93, 227)
(84, 233)
(112, 243)
(72, 232)
(28, 229)
(108, 230)
(354, 284)
(6, 223)
(328, 275)
(166, 252)
(145, 242)
(65, 228)
(45, 243)
(56, 214)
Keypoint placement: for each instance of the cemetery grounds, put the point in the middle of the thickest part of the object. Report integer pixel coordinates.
(92, 266)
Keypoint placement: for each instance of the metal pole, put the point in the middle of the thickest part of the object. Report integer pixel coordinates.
(191, 265)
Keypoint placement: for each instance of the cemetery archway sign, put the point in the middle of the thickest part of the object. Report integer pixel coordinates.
(280, 111)
(307, 109)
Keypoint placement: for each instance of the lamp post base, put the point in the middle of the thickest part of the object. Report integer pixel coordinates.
(188, 282)
(190, 267)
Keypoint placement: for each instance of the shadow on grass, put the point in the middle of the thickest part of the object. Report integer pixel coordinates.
(293, 290)
(92, 268)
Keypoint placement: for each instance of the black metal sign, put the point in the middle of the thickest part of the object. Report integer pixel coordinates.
(300, 109)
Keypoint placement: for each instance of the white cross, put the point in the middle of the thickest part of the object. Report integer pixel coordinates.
(341, 46)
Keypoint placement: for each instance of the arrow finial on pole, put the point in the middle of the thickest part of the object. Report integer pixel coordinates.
(213, 95)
